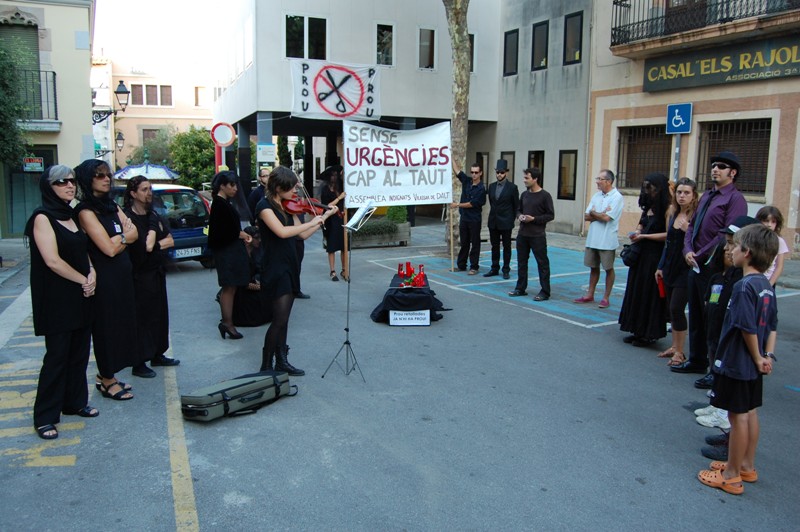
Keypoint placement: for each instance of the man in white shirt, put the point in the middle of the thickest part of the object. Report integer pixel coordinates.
(603, 213)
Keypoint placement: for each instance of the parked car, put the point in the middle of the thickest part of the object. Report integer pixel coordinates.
(186, 212)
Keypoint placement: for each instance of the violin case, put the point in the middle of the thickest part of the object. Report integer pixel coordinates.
(242, 395)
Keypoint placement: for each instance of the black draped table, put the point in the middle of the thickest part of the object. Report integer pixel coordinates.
(407, 299)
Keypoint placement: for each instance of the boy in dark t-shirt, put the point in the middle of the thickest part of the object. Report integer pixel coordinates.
(743, 356)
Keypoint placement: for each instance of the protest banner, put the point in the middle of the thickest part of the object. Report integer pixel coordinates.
(329, 91)
(391, 167)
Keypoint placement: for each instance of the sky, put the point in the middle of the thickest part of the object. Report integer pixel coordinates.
(159, 36)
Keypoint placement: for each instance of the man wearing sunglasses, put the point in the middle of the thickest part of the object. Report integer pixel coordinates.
(503, 206)
(473, 197)
(718, 208)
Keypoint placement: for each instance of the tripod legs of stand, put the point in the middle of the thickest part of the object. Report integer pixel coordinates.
(350, 364)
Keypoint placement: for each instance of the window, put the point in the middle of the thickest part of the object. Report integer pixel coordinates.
(573, 37)
(154, 95)
(19, 35)
(539, 46)
(567, 173)
(509, 158)
(427, 49)
(137, 95)
(749, 139)
(384, 45)
(642, 150)
(472, 52)
(200, 97)
(510, 50)
(306, 40)
(536, 160)
(149, 134)
(482, 159)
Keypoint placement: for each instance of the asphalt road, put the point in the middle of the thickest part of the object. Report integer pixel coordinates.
(507, 415)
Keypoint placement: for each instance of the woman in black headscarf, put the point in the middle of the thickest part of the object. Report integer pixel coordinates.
(110, 231)
(62, 290)
(644, 311)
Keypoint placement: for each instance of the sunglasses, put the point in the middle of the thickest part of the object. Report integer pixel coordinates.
(101, 176)
(63, 182)
(721, 166)
(478, 172)
(501, 171)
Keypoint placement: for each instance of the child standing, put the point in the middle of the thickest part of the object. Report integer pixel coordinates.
(771, 217)
(744, 355)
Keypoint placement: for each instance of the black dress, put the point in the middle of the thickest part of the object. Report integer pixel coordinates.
(334, 226)
(230, 254)
(150, 284)
(676, 271)
(280, 270)
(644, 311)
(114, 329)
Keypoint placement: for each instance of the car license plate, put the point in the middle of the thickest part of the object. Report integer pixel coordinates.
(188, 252)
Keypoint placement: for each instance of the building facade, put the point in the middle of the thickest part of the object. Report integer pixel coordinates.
(54, 41)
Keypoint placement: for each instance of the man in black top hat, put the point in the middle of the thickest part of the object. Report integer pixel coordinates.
(503, 206)
(718, 208)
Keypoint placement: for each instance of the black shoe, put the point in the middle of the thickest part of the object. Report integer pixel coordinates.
(301, 295)
(718, 439)
(705, 383)
(541, 297)
(642, 342)
(715, 452)
(491, 273)
(161, 360)
(506, 275)
(629, 339)
(688, 367)
(143, 371)
(462, 268)
(518, 293)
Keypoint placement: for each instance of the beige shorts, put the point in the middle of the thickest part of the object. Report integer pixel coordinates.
(593, 258)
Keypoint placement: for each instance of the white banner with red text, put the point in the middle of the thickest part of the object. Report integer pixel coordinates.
(328, 91)
(391, 167)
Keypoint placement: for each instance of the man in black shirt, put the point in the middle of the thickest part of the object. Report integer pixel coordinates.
(503, 204)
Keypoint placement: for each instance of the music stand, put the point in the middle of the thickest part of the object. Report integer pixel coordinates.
(351, 363)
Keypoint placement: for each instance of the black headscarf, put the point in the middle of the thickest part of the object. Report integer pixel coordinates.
(85, 173)
(659, 202)
(52, 205)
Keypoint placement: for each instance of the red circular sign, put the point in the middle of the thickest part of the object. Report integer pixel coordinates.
(223, 134)
(331, 87)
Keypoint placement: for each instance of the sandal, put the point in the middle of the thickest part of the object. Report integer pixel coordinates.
(747, 476)
(677, 359)
(716, 480)
(667, 353)
(98, 383)
(344, 276)
(47, 432)
(333, 276)
(86, 411)
(121, 395)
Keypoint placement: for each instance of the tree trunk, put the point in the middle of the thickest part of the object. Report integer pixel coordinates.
(456, 11)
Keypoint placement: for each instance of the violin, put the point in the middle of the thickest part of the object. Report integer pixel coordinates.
(298, 205)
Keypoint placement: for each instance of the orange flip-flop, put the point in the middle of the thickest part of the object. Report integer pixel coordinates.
(715, 479)
(747, 476)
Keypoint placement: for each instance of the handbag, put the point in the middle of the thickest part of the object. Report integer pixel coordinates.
(630, 254)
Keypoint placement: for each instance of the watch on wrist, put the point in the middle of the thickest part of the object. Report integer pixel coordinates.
(124, 240)
(770, 354)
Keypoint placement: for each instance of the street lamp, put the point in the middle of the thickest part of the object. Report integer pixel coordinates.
(122, 93)
(120, 140)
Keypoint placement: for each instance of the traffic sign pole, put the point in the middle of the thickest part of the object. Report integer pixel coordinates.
(677, 157)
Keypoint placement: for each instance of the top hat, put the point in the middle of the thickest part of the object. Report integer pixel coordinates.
(501, 166)
(738, 223)
(730, 158)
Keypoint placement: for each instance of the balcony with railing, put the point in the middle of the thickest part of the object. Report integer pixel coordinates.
(39, 100)
(647, 27)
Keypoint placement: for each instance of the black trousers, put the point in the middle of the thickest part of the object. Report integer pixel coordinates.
(495, 237)
(62, 380)
(470, 236)
(537, 244)
(697, 286)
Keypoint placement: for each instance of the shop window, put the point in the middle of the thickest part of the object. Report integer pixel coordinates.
(642, 150)
(749, 140)
(567, 173)
(510, 52)
(539, 46)
(573, 38)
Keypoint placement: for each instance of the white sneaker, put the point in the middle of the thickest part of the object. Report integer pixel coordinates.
(717, 419)
(707, 411)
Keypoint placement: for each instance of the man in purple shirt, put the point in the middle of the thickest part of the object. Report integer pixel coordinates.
(718, 208)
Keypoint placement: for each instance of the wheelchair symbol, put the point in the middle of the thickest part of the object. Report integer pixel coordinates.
(677, 120)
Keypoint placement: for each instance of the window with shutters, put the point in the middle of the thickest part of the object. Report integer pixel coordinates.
(152, 95)
(19, 34)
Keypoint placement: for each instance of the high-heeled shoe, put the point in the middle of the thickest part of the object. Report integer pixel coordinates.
(223, 330)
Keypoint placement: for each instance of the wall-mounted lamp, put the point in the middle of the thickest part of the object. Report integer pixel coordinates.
(120, 141)
(122, 93)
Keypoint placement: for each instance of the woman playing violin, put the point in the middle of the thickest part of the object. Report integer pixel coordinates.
(280, 271)
(334, 231)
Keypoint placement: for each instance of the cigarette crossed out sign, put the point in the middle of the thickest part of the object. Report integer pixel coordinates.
(331, 91)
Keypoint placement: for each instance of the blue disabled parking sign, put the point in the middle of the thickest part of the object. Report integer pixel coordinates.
(679, 118)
